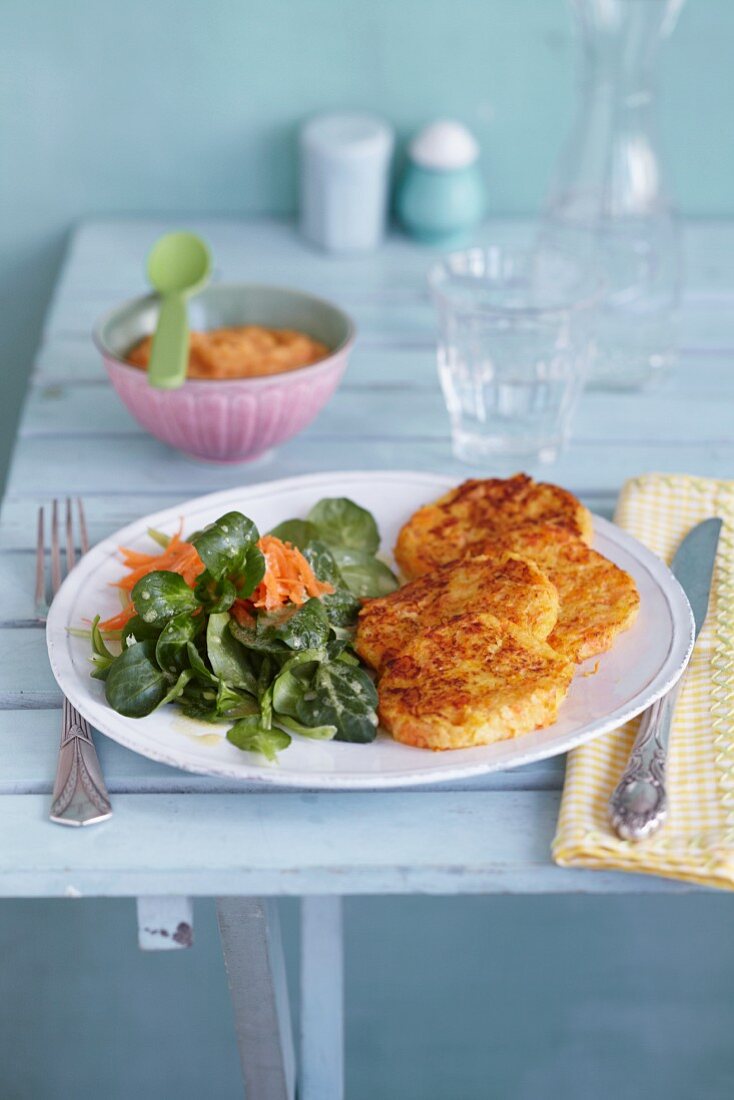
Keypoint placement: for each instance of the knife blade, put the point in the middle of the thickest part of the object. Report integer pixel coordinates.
(638, 805)
(693, 566)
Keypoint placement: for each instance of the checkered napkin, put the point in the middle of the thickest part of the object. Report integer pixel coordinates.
(696, 842)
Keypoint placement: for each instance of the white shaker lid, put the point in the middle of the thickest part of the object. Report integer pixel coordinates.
(348, 134)
(444, 144)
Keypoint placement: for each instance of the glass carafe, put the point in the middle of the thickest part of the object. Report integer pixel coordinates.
(608, 204)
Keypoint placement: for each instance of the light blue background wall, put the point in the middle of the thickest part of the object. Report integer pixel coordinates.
(162, 106)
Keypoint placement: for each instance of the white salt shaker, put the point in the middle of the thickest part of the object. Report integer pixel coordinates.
(345, 170)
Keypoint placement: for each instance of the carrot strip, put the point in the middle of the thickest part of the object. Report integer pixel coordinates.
(288, 576)
(241, 611)
(117, 622)
(178, 557)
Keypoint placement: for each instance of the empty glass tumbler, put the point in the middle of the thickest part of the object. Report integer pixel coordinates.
(515, 343)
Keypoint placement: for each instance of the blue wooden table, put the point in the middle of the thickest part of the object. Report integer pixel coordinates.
(175, 835)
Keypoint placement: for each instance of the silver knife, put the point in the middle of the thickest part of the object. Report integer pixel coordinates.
(639, 803)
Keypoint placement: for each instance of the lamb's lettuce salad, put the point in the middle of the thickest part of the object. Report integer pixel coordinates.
(249, 631)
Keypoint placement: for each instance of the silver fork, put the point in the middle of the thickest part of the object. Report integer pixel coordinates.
(80, 796)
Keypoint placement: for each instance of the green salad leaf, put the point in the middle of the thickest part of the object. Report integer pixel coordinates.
(298, 532)
(199, 667)
(208, 705)
(137, 630)
(102, 658)
(171, 649)
(159, 536)
(368, 578)
(252, 572)
(161, 596)
(224, 544)
(135, 685)
(342, 605)
(341, 522)
(342, 696)
(306, 627)
(228, 659)
(176, 690)
(292, 681)
(319, 692)
(250, 736)
(322, 561)
(349, 533)
(214, 595)
(315, 733)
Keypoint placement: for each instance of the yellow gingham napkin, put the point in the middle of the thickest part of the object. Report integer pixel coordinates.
(696, 843)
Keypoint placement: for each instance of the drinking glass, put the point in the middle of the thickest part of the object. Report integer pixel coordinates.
(515, 343)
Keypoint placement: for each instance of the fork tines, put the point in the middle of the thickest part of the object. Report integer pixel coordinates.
(70, 550)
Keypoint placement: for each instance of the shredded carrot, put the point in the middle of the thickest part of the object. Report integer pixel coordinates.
(242, 611)
(288, 576)
(117, 622)
(178, 557)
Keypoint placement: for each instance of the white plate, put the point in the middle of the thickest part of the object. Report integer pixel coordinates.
(644, 663)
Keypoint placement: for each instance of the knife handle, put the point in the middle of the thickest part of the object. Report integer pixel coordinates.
(639, 803)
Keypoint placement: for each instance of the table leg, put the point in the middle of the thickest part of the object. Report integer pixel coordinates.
(253, 958)
(321, 1075)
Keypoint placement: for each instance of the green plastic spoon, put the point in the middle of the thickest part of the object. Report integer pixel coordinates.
(178, 265)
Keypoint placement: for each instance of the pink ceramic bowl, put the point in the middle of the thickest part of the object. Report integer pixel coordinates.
(232, 421)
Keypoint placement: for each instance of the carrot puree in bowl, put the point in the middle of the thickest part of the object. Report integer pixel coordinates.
(245, 351)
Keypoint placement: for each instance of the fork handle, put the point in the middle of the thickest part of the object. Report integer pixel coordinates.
(639, 804)
(80, 796)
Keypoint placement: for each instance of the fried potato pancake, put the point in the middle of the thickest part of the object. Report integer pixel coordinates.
(513, 589)
(472, 680)
(597, 599)
(474, 511)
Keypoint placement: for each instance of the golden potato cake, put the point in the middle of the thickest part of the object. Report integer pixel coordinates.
(449, 527)
(472, 681)
(512, 588)
(597, 599)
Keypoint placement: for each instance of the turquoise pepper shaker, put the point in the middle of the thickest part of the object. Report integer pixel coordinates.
(442, 198)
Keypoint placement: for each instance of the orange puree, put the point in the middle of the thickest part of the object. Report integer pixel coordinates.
(245, 352)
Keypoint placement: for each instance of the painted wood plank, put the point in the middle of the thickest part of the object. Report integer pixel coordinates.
(18, 572)
(109, 254)
(106, 512)
(50, 466)
(26, 681)
(322, 1000)
(295, 844)
(249, 929)
(79, 410)
(29, 744)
